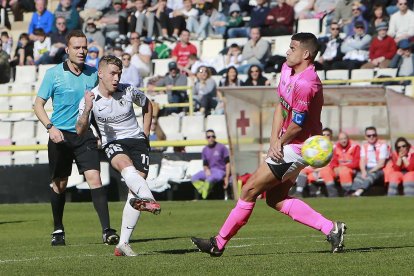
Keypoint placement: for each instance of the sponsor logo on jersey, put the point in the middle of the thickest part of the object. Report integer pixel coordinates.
(285, 104)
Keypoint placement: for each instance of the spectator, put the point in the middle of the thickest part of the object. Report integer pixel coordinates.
(58, 41)
(379, 15)
(41, 49)
(402, 22)
(280, 20)
(212, 23)
(183, 50)
(93, 57)
(192, 66)
(402, 171)
(4, 16)
(141, 55)
(233, 56)
(355, 48)
(382, 49)
(156, 133)
(142, 19)
(258, 17)
(330, 48)
(204, 91)
(255, 52)
(231, 79)
(403, 59)
(188, 12)
(343, 13)
(70, 13)
(235, 19)
(162, 19)
(216, 166)
(41, 19)
(115, 22)
(23, 54)
(18, 7)
(130, 73)
(94, 9)
(344, 163)
(172, 79)
(93, 34)
(374, 154)
(7, 42)
(4, 65)
(176, 16)
(357, 11)
(243, 5)
(302, 8)
(255, 77)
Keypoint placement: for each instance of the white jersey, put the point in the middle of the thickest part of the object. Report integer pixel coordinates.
(115, 116)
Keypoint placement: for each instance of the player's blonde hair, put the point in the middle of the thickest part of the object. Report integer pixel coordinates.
(110, 59)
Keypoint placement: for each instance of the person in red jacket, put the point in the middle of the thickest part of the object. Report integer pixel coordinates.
(280, 20)
(345, 161)
(402, 171)
(382, 49)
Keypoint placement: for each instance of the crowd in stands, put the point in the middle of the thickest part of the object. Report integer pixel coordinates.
(356, 168)
(359, 34)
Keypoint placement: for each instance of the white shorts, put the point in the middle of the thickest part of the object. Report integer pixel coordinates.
(288, 168)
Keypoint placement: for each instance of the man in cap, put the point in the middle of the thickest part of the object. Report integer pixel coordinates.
(403, 59)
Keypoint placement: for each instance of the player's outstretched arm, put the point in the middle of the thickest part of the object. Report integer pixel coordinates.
(85, 108)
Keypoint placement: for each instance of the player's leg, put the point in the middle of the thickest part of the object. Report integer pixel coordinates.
(60, 167)
(88, 162)
(261, 180)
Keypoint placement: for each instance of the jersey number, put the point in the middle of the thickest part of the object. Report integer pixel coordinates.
(145, 159)
(111, 149)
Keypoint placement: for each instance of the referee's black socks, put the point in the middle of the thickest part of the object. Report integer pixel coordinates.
(100, 202)
(58, 205)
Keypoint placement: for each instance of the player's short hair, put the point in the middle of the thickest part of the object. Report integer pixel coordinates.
(74, 33)
(309, 42)
(371, 128)
(110, 59)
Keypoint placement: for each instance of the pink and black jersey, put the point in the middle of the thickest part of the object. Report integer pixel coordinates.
(301, 96)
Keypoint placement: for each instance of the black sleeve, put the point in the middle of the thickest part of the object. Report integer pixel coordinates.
(227, 160)
(205, 163)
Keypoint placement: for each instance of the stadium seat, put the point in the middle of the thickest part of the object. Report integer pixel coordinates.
(23, 110)
(171, 126)
(161, 66)
(42, 136)
(42, 71)
(321, 74)
(218, 124)
(5, 130)
(170, 170)
(5, 160)
(25, 74)
(197, 44)
(19, 88)
(27, 126)
(281, 45)
(211, 48)
(194, 166)
(42, 157)
(309, 26)
(4, 107)
(340, 74)
(4, 89)
(237, 40)
(25, 141)
(361, 74)
(160, 99)
(192, 127)
(392, 72)
(24, 158)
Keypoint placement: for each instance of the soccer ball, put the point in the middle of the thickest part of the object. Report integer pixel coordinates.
(317, 151)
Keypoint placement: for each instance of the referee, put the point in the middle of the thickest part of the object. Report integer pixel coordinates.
(66, 84)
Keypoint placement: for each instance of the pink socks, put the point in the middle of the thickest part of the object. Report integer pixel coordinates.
(236, 219)
(303, 213)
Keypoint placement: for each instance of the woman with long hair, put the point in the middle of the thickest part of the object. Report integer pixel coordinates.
(204, 91)
(255, 77)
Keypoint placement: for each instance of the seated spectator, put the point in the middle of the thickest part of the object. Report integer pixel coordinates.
(403, 60)
(382, 49)
(330, 48)
(93, 34)
(402, 168)
(94, 55)
(174, 78)
(255, 52)
(302, 8)
(114, 22)
(230, 79)
(130, 73)
(379, 15)
(4, 65)
(233, 56)
(162, 19)
(141, 55)
(343, 14)
(258, 15)
(216, 166)
(309, 178)
(183, 50)
(156, 133)
(70, 13)
(41, 19)
(204, 91)
(280, 20)
(23, 54)
(18, 7)
(212, 23)
(373, 158)
(357, 11)
(188, 13)
(177, 19)
(58, 41)
(235, 19)
(255, 77)
(94, 9)
(7, 42)
(142, 20)
(402, 22)
(192, 66)
(243, 5)
(355, 48)
(41, 48)
(344, 164)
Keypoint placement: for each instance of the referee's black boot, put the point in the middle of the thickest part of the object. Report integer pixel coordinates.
(58, 238)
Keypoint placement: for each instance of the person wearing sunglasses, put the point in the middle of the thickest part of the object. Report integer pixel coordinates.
(373, 157)
(216, 166)
(402, 22)
(205, 91)
(402, 170)
(130, 73)
(330, 47)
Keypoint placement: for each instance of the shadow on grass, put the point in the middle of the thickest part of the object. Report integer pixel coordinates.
(377, 248)
(156, 239)
(12, 222)
(178, 251)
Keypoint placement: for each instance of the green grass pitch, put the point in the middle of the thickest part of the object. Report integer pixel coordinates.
(379, 241)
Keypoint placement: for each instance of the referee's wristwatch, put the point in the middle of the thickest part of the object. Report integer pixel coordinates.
(49, 126)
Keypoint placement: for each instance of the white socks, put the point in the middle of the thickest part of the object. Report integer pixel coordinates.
(130, 218)
(136, 183)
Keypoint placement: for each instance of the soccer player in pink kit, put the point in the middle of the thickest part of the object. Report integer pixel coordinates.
(296, 117)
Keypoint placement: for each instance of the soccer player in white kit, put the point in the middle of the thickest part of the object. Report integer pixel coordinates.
(296, 117)
(110, 107)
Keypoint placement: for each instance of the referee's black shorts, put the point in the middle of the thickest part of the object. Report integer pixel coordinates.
(82, 148)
